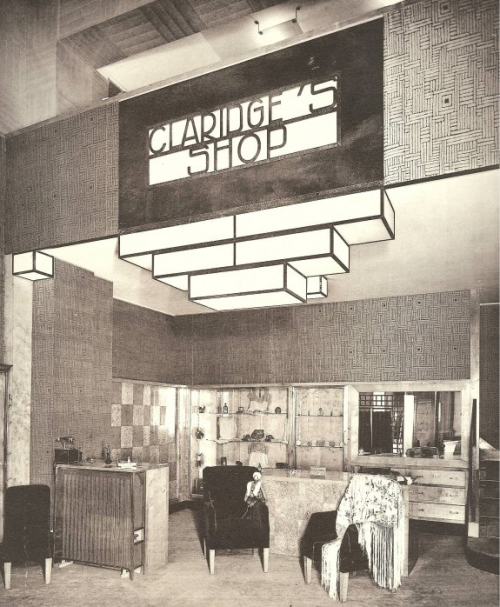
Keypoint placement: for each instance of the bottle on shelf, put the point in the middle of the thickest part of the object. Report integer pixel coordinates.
(225, 409)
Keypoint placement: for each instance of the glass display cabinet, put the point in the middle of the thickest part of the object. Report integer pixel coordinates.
(272, 426)
(319, 427)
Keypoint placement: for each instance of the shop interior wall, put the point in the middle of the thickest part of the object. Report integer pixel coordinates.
(489, 365)
(407, 338)
(2, 249)
(62, 181)
(146, 345)
(441, 110)
(71, 366)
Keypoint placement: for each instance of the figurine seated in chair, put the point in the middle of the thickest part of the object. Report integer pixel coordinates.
(236, 515)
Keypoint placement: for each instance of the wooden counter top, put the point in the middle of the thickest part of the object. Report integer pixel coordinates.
(100, 466)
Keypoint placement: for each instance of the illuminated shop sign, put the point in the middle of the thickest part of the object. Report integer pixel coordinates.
(280, 123)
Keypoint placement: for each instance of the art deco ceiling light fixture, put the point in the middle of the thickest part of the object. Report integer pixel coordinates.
(263, 258)
(33, 265)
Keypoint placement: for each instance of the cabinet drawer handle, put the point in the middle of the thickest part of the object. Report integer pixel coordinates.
(454, 512)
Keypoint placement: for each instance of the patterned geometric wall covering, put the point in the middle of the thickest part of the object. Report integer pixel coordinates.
(143, 425)
(2, 247)
(62, 181)
(145, 344)
(71, 368)
(489, 363)
(441, 88)
(406, 338)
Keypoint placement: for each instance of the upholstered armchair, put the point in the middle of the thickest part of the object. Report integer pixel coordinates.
(371, 520)
(321, 530)
(228, 522)
(27, 534)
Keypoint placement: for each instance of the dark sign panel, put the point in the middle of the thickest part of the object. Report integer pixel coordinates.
(280, 123)
(292, 125)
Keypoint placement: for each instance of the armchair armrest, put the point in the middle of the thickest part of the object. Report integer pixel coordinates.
(210, 517)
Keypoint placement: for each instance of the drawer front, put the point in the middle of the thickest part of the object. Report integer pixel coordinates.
(440, 495)
(437, 512)
(453, 478)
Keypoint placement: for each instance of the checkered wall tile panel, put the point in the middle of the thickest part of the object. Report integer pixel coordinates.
(62, 181)
(440, 88)
(141, 430)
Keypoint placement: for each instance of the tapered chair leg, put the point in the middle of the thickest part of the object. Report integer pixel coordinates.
(307, 569)
(344, 583)
(6, 574)
(265, 559)
(211, 561)
(48, 570)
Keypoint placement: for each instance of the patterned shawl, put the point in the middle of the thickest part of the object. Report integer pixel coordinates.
(375, 505)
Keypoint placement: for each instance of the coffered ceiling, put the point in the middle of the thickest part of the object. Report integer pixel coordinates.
(155, 24)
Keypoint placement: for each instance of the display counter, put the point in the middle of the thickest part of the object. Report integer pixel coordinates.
(292, 500)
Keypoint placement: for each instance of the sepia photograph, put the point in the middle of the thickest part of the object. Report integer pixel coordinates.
(249, 303)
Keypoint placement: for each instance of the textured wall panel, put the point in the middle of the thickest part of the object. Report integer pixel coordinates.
(489, 363)
(440, 88)
(406, 338)
(62, 181)
(2, 249)
(71, 384)
(146, 345)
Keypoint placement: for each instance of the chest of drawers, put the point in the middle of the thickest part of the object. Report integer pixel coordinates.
(438, 495)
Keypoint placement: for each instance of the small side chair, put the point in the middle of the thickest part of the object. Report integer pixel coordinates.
(27, 534)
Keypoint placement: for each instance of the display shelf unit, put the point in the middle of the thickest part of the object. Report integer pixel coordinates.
(292, 415)
(319, 418)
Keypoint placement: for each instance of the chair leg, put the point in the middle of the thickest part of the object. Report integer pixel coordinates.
(307, 569)
(48, 570)
(6, 574)
(344, 583)
(211, 561)
(265, 558)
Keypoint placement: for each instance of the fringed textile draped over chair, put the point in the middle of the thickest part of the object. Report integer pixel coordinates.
(375, 505)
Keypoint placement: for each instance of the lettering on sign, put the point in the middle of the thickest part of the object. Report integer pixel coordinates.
(280, 123)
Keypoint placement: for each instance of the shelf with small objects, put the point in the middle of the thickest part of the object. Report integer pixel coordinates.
(247, 425)
(319, 427)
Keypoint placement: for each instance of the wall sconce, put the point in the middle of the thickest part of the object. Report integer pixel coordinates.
(281, 31)
(33, 265)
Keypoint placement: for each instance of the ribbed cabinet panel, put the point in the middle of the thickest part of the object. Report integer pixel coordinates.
(94, 516)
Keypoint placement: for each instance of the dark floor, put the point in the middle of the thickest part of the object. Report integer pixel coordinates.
(441, 578)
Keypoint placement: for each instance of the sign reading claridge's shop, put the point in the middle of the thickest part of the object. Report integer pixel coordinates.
(296, 124)
(274, 125)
